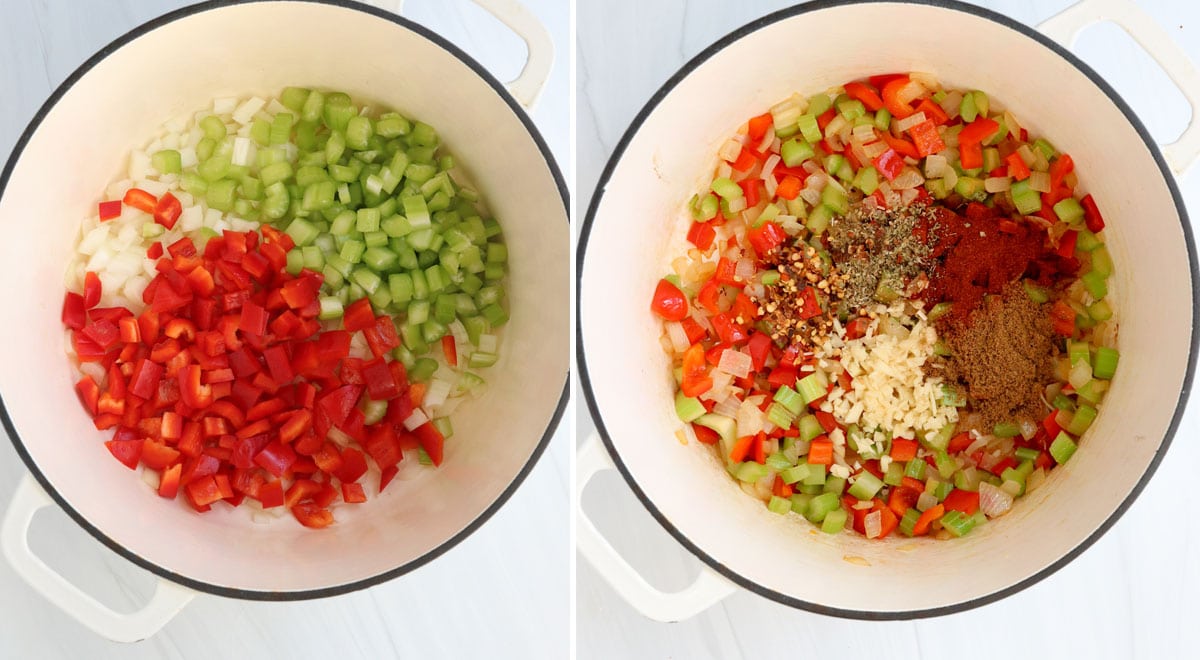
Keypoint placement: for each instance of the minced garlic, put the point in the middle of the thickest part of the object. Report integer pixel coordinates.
(890, 392)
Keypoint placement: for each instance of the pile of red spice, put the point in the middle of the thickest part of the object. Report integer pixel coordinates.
(981, 252)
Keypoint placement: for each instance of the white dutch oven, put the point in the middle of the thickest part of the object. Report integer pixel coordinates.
(115, 102)
(668, 154)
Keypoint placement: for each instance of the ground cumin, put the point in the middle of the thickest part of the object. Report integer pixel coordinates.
(1002, 356)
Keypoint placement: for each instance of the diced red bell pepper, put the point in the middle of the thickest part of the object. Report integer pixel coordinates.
(126, 451)
(109, 210)
(891, 98)
(978, 131)
(962, 500)
(89, 393)
(889, 164)
(1017, 168)
(701, 234)
(1091, 214)
(167, 210)
(926, 138)
(275, 458)
(91, 290)
(758, 126)
(864, 93)
(765, 238)
(141, 200)
(381, 386)
(74, 311)
(358, 315)
(431, 441)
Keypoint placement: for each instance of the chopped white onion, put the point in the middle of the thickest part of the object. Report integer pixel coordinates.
(730, 150)
(735, 363)
(245, 112)
(995, 184)
(910, 121)
(437, 393)
(677, 336)
(1039, 181)
(744, 270)
(935, 166)
(926, 500)
(416, 419)
(863, 133)
(769, 168)
(993, 501)
(908, 178)
(873, 524)
(750, 419)
(728, 407)
(952, 103)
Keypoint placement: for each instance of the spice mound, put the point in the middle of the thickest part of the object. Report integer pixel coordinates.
(797, 308)
(979, 253)
(1003, 356)
(880, 250)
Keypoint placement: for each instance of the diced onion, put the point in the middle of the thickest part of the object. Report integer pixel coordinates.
(1081, 373)
(749, 419)
(416, 419)
(245, 112)
(910, 121)
(873, 524)
(437, 393)
(935, 166)
(735, 363)
(995, 184)
(926, 500)
(1039, 181)
(769, 168)
(728, 407)
(744, 270)
(909, 177)
(863, 133)
(1032, 482)
(874, 149)
(1028, 429)
(993, 501)
(730, 150)
(911, 91)
(952, 103)
(677, 336)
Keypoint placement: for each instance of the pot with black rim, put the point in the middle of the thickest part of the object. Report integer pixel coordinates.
(665, 157)
(371, 54)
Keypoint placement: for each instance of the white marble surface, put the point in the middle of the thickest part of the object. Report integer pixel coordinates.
(504, 592)
(1129, 596)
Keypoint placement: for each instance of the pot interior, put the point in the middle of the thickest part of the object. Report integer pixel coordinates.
(177, 68)
(672, 155)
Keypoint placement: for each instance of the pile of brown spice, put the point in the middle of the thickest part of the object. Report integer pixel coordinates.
(881, 251)
(798, 307)
(1002, 357)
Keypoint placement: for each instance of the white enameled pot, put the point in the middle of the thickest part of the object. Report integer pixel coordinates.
(177, 64)
(669, 153)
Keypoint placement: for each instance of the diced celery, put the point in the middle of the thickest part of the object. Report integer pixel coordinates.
(1106, 362)
(915, 469)
(834, 521)
(1006, 429)
(779, 505)
(821, 505)
(1062, 448)
(793, 152)
(167, 161)
(810, 427)
(1096, 284)
(865, 486)
(957, 523)
(811, 388)
(1069, 210)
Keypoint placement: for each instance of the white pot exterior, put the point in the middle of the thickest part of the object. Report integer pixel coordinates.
(178, 67)
(672, 154)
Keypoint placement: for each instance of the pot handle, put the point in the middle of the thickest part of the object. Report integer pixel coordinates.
(708, 589)
(169, 598)
(1065, 27)
(527, 87)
